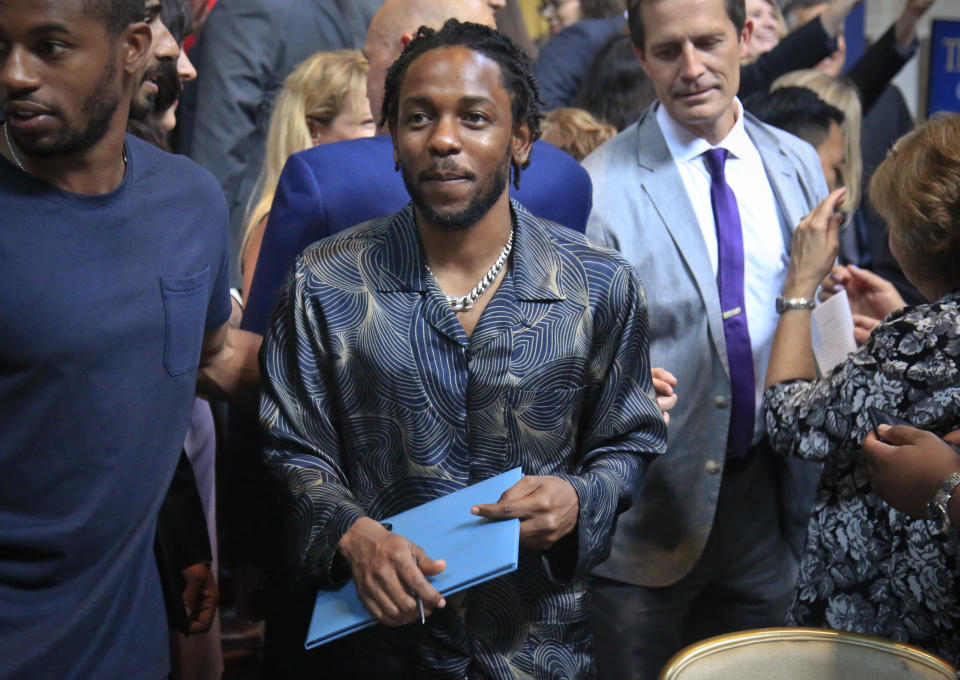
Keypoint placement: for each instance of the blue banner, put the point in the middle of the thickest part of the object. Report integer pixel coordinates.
(853, 32)
(944, 90)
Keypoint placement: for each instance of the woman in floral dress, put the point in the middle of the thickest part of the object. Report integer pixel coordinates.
(867, 567)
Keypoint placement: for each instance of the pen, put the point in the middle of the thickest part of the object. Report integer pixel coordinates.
(423, 619)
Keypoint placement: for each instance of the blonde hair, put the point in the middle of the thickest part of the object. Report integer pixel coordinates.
(318, 88)
(780, 19)
(843, 95)
(917, 190)
(781, 30)
(575, 131)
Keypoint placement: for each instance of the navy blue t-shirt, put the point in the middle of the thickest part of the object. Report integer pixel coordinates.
(103, 305)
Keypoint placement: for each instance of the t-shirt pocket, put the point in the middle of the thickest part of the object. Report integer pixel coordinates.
(185, 310)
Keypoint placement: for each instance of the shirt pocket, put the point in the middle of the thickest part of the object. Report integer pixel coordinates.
(184, 312)
(543, 428)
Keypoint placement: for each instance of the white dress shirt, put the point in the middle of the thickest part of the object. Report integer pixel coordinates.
(765, 254)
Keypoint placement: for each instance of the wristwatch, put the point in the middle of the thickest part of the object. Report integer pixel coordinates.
(785, 304)
(937, 507)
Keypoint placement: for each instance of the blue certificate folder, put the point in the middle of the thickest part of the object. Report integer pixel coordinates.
(475, 549)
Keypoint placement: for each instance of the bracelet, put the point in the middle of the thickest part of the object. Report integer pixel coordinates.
(786, 304)
(937, 507)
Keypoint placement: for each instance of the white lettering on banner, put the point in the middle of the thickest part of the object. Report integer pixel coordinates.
(953, 54)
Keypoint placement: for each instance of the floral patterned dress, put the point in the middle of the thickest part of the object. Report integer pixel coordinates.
(868, 568)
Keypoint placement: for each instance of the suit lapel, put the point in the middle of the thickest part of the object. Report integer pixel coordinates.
(783, 178)
(664, 189)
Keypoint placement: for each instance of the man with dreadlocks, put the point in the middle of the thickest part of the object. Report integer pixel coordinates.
(393, 377)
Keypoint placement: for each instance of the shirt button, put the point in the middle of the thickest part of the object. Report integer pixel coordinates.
(721, 401)
(713, 467)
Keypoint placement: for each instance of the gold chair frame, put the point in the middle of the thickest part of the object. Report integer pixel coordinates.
(693, 653)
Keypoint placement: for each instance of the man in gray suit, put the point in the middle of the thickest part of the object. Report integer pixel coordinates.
(702, 198)
(245, 51)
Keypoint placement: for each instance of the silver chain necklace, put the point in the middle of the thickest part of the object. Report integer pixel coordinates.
(16, 159)
(465, 302)
(13, 154)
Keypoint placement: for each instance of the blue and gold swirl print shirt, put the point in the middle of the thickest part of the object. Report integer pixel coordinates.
(375, 401)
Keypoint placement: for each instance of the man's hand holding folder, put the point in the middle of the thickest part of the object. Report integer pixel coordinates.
(383, 559)
(390, 573)
(546, 506)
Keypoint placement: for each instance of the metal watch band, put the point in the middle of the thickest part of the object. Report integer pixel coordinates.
(786, 304)
(937, 508)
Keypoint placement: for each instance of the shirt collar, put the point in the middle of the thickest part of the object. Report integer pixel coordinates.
(685, 146)
(398, 264)
(536, 264)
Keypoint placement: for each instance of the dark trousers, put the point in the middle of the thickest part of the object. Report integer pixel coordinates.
(744, 579)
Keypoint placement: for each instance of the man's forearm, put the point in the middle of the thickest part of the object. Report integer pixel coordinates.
(803, 48)
(233, 372)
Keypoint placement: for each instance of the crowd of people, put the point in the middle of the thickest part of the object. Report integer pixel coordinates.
(343, 257)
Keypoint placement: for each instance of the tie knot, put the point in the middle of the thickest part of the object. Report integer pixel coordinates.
(715, 159)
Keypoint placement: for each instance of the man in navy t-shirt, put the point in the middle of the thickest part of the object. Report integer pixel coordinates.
(113, 310)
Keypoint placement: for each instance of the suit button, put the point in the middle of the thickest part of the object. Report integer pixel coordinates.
(713, 467)
(721, 401)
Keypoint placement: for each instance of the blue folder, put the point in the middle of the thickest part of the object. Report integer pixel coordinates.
(475, 549)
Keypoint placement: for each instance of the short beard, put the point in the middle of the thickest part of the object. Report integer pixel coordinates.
(164, 74)
(98, 109)
(141, 106)
(479, 205)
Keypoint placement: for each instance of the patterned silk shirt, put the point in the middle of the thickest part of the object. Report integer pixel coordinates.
(376, 401)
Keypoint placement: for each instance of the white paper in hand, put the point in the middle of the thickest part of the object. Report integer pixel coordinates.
(832, 332)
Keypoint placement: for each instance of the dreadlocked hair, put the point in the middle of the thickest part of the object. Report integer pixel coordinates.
(515, 70)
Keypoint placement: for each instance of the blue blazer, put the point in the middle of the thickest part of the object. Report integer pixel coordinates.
(332, 187)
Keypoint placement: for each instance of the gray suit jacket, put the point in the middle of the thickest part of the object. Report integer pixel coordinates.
(640, 208)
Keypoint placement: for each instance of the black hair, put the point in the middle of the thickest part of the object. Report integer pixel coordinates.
(176, 16)
(515, 70)
(617, 90)
(600, 9)
(797, 110)
(736, 11)
(115, 14)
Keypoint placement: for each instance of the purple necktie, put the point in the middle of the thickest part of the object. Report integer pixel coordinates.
(730, 284)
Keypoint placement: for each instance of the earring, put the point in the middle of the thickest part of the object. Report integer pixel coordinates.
(396, 166)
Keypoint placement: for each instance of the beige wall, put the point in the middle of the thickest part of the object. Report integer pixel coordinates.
(535, 23)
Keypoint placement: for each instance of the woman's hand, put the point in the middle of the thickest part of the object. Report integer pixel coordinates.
(862, 328)
(871, 295)
(663, 382)
(907, 469)
(815, 246)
